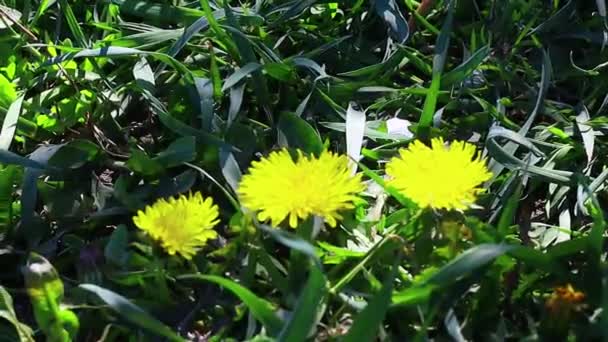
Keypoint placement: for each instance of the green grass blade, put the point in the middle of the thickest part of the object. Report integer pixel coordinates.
(132, 312)
(304, 317)
(441, 49)
(261, 309)
(366, 323)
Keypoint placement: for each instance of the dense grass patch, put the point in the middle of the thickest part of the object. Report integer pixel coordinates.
(265, 170)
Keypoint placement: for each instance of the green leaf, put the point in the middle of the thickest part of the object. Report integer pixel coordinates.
(131, 312)
(468, 262)
(7, 179)
(280, 71)
(387, 245)
(8, 92)
(117, 248)
(509, 209)
(240, 74)
(464, 70)
(246, 55)
(7, 312)
(508, 151)
(441, 50)
(143, 74)
(291, 240)
(9, 125)
(539, 260)
(596, 236)
(218, 30)
(204, 92)
(141, 163)
(260, 308)
(297, 133)
(366, 323)
(179, 127)
(505, 155)
(66, 9)
(413, 295)
(230, 169)
(304, 318)
(182, 150)
(74, 154)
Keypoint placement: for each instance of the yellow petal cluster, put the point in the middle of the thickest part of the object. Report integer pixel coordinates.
(564, 299)
(277, 187)
(440, 176)
(181, 225)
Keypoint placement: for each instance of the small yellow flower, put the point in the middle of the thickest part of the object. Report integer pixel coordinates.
(440, 177)
(564, 299)
(181, 225)
(277, 187)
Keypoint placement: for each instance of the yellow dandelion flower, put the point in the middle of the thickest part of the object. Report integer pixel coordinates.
(277, 187)
(181, 225)
(438, 176)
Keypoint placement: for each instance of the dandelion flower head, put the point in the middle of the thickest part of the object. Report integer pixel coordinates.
(277, 187)
(181, 225)
(564, 299)
(440, 177)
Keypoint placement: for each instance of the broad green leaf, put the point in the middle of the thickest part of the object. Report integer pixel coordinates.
(467, 262)
(240, 74)
(116, 250)
(74, 154)
(157, 12)
(413, 295)
(145, 39)
(230, 169)
(205, 102)
(143, 74)
(297, 133)
(290, 240)
(182, 150)
(141, 163)
(280, 71)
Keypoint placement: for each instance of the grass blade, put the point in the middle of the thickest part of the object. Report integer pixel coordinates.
(441, 49)
(261, 309)
(131, 312)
